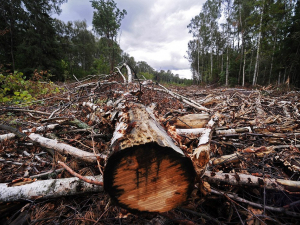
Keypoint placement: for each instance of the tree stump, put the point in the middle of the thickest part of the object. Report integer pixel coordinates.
(146, 171)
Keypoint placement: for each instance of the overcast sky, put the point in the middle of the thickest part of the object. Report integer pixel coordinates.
(154, 31)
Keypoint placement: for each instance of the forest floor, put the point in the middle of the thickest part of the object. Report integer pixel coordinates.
(251, 178)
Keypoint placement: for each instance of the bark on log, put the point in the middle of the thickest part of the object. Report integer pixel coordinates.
(65, 148)
(38, 129)
(48, 189)
(147, 171)
(250, 180)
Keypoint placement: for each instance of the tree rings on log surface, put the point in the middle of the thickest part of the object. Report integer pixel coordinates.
(149, 178)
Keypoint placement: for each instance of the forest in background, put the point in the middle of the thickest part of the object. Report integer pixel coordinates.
(31, 40)
(235, 42)
(246, 42)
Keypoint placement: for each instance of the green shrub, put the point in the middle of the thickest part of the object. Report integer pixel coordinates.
(14, 88)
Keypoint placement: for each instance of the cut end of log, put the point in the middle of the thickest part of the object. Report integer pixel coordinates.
(149, 178)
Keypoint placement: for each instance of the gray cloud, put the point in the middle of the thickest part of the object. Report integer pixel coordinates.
(152, 31)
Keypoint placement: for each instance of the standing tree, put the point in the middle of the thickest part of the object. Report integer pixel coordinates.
(27, 34)
(107, 21)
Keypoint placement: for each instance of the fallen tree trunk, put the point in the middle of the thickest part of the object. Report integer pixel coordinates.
(250, 180)
(44, 189)
(38, 129)
(146, 171)
(65, 148)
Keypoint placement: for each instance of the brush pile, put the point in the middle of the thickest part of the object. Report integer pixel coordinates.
(242, 146)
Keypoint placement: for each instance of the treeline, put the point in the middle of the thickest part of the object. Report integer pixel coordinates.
(31, 39)
(246, 42)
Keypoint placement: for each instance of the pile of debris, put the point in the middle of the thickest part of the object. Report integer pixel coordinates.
(117, 150)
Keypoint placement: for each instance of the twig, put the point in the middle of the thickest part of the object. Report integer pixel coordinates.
(35, 156)
(47, 174)
(17, 163)
(27, 110)
(200, 215)
(79, 176)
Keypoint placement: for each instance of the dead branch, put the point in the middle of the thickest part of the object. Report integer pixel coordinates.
(201, 154)
(195, 131)
(270, 208)
(26, 110)
(79, 176)
(184, 100)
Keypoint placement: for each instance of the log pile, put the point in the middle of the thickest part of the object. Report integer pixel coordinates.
(222, 155)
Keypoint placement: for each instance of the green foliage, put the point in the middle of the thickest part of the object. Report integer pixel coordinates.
(16, 89)
(64, 66)
(107, 19)
(100, 66)
(30, 38)
(269, 30)
(148, 76)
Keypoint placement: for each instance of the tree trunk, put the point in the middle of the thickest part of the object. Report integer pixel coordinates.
(211, 55)
(146, 171)
(244, 68)
(227, 44)
(227, 66)
(242, 45)
(272, 59)
(258, 49)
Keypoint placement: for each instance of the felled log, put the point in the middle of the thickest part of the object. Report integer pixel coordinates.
(191, 121)
(38, 129)
(44, 189)
(233, 131)
(65, 148)
(146, 171)
(250, 180)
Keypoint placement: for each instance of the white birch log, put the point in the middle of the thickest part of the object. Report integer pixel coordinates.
(93, 106)
(250, 180)
(194, 131)
(38, 129)
(43, 189)
(65, 148)
(234, 131)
